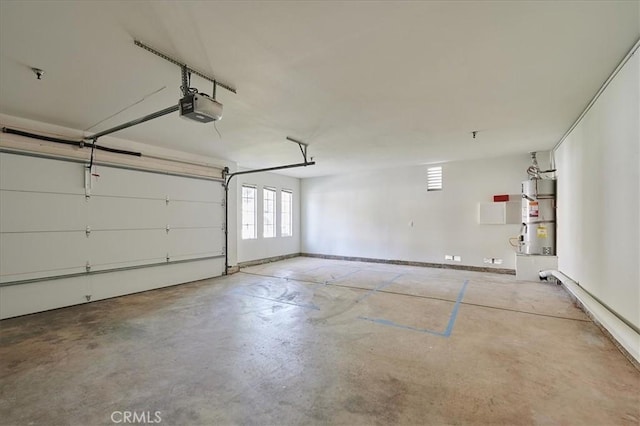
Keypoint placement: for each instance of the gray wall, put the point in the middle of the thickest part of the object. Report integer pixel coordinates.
(388, 214)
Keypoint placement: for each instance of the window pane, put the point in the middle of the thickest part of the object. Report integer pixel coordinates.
(269, 204)
(286, 213)
(248, 212)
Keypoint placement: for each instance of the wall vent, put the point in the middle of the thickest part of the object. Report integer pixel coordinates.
(434, 178)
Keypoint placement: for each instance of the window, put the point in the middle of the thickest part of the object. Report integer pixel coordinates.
(248, 212)
(269, 209)
(286, 213)
(434, 178)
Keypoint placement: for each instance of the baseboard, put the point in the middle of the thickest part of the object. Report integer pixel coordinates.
(412, 263)
(233, 269)
(266, 260)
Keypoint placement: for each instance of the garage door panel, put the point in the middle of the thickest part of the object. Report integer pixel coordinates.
(39, 211)
(134, 280)
(41, 296)
(41, 254)
(27, 173)
(115, 249)
(182, 188)
(185, 214)
(195, 242)
(129, 183)
(112, 213)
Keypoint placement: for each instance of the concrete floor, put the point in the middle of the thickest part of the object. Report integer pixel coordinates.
(313, 341)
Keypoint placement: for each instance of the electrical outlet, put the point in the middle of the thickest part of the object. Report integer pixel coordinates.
(487, 260)
(457, 259)
(448, 257)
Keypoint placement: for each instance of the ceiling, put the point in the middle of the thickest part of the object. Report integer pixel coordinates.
(366, 84)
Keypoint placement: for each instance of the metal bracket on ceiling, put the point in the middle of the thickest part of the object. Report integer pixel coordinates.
(186, 67)
(303, 147)
(185, 80)
(132, 123)
(227, 179)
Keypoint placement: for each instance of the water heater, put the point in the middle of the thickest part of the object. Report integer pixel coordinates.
(538, 234)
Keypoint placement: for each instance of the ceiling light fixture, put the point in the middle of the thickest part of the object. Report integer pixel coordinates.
(39, 73)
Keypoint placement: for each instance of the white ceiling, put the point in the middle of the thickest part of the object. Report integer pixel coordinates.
(366, 84)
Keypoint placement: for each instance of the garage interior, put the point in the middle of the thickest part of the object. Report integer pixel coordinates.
(317, 212)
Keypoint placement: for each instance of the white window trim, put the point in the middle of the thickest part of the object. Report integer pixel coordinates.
(290, 217)
(274, 212)
(255, 212)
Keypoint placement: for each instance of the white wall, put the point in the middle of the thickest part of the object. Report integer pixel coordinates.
(598, 193)
(388, 214)
(263, 248)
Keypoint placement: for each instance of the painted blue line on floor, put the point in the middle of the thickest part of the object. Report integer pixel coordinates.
(445, 333)
(306, 306)
(310, 278)
(383, 321)
(313, 269)
(342, 276)
(382, 285)
(454, 313)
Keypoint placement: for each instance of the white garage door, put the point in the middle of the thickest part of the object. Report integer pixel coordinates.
(66, 238)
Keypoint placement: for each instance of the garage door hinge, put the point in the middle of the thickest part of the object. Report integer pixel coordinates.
(167, 200)
(88, 266)
(168, 229)
(168, 258)
(88, 231)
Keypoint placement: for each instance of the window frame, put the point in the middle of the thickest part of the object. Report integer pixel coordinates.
(273, 213)
(254, 213)
(288, 219)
